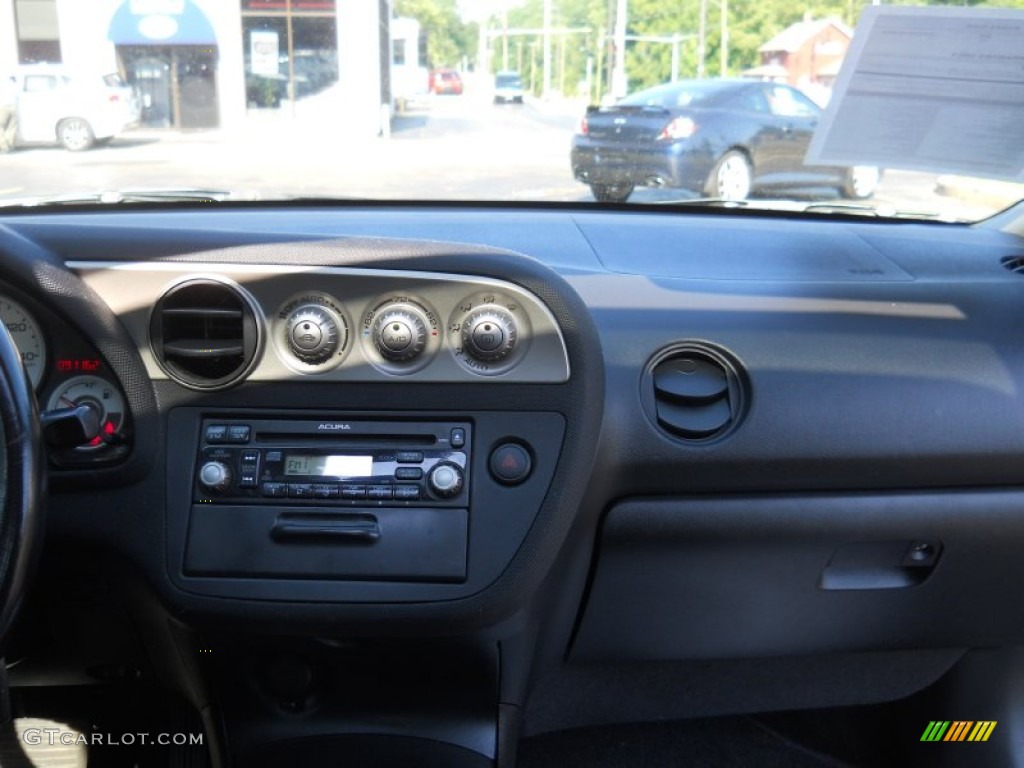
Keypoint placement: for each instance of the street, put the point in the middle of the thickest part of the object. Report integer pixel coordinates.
(449, 147)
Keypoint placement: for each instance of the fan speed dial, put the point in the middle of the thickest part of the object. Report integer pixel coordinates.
(313, 333)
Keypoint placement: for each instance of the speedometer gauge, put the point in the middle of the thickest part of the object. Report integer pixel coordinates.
(27, 336)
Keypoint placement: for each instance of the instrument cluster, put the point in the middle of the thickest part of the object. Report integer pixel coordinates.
(67, 373)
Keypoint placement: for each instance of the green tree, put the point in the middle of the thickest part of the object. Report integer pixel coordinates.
(751, 23)
(449, 38)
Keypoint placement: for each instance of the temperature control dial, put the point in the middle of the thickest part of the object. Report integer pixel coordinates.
(400, 332)
(445, 480)
(314, 333)
(489, 334)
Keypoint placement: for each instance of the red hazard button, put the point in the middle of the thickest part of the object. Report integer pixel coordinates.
(510, 463)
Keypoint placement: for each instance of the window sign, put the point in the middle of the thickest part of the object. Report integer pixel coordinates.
(264, 48)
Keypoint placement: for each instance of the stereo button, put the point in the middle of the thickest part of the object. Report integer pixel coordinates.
(407, 492)
(217, 433)
(408, 473)
(409, 457)
(353, 491)
(238, 433)
(458, 437)
(300, 490)
(378, 492)
(325, 491)
(275, 490)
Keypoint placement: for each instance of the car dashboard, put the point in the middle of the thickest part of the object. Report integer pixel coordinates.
(453, 480)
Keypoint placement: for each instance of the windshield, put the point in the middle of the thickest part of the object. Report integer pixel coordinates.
(699, 93)
(837, 106)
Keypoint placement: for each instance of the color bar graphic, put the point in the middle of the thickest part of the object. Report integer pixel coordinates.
(958, 730)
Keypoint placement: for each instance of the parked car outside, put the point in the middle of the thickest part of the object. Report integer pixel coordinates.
(720, 138)
(508, 87)
(446, 81)
(56, 105)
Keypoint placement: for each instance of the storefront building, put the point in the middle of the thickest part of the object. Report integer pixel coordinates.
(209, 63)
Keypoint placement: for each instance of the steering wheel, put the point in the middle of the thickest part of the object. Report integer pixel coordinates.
(21, 482)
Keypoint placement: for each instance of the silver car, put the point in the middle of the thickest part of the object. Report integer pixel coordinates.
(508, 86)
(55, 105)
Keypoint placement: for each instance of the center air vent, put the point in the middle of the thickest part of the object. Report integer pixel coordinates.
(204, 334)
(694, 392)
(1014, 263)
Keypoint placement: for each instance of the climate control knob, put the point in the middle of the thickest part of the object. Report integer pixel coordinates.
(313, 333)
(445, 480)
(489, 334)
(215, 476)
(400, 333)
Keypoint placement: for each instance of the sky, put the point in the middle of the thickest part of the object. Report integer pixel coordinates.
(480, 10)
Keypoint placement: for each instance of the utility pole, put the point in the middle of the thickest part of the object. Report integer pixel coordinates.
(675, 56)
(724, 46)
(702, 37)
(620, 84)
(291, 59)
(561, 65)
(504, 38)
(547, 49)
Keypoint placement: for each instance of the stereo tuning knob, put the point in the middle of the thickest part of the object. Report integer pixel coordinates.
(445, 480)
(489, 334)
(400, 333)
(215, 476)
(313, 333)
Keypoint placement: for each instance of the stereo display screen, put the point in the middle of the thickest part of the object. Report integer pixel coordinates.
(328, 466)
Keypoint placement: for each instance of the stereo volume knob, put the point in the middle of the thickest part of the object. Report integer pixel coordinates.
(400, 333)
(215, 476)
(489, 334)
(445, 480)
(313, 333)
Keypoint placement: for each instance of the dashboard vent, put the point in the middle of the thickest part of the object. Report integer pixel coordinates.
(696, 392)
(204, 334)
(1014, 263)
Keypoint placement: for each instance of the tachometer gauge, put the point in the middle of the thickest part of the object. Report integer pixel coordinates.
(98, 394)
(27, 336)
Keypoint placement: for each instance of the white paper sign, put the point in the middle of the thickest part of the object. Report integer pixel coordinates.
(930, 89)
(264, 51)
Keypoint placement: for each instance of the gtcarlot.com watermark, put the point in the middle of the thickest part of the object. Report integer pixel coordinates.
(54, 736)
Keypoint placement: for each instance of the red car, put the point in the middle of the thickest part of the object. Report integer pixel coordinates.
(446, 81)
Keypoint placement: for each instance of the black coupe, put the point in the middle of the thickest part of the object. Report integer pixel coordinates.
(719, 138)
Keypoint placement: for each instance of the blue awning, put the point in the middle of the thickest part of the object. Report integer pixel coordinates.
(160, 22)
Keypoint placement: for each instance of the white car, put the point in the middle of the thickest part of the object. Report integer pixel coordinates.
(508, 87)
(58, 106)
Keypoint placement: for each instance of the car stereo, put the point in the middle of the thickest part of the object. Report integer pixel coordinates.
(307, 462)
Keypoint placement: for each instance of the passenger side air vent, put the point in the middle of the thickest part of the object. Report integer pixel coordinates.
(695, 392)
(1014, 263)
(204, 334)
